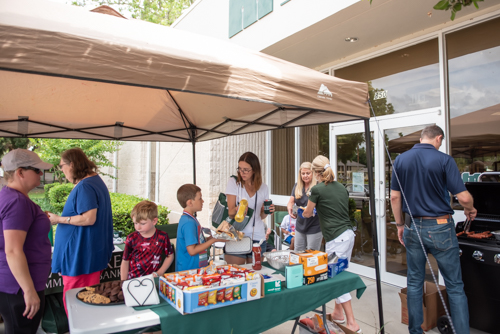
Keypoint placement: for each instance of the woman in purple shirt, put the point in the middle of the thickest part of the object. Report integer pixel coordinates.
(24, 244)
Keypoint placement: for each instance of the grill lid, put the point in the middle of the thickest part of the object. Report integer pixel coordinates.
(486, 197)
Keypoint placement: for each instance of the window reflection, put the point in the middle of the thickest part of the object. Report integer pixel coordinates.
(474, 91)
(401, 81)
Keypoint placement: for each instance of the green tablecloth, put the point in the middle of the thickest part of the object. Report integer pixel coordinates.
(258, 315)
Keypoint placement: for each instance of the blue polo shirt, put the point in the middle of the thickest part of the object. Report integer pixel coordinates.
(427, 176)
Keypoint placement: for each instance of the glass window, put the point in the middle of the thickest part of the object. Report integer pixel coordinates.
(283, 161)
(474, 96)
(403, 80)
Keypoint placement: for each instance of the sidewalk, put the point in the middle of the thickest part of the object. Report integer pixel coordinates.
(366, 312)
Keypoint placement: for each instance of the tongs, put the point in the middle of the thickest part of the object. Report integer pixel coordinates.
(467, 225)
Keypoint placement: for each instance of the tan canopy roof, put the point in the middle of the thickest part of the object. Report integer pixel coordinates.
(66, 72)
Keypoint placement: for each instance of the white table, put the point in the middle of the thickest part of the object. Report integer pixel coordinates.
(84, 318)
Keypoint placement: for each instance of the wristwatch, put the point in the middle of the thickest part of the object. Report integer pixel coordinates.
(68, 220)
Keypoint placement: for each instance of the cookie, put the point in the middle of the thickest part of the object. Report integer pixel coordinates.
(90, 288)
(98, 299)
(81, 295)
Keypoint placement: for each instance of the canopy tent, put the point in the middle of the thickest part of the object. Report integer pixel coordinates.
(69, 73)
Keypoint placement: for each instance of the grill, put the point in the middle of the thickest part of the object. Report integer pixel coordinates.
(480, 258)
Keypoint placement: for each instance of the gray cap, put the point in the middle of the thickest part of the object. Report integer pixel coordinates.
(23, 158)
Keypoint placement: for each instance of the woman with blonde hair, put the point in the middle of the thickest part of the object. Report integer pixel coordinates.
(331, 200)
(307, 230)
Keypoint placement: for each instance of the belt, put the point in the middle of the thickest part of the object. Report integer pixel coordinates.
(441, 217)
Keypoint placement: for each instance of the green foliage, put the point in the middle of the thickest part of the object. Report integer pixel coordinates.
(9, 144)
(123, 204)
(58, 195)
(163, 12)
(43, 202)
(455, 5)
(50, 150)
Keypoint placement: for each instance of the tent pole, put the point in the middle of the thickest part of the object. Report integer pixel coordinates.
(194, 155)
(371, 188)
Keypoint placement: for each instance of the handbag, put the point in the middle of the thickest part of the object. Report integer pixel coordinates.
(221, 212)
(244, 246)
(140, 291)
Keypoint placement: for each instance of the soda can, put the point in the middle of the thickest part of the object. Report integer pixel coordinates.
(267, 206)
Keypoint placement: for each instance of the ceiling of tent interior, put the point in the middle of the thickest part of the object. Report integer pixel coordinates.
(66, 72)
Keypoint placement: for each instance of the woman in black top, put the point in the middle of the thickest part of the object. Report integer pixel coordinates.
(307, 230)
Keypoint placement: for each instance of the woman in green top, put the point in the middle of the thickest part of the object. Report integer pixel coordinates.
(331, 200)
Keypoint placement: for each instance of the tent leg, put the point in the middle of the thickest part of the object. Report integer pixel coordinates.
(371, 188)
(194, 162)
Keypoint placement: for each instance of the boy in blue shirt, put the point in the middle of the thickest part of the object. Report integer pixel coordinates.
(191, 244)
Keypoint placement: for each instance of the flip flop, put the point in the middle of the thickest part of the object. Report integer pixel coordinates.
(339, 321)
(359, 331)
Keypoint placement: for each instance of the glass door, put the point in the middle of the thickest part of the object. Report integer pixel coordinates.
(391, 135)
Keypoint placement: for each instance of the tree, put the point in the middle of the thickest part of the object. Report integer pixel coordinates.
(50, 150)
(454, 5)
(9, 144)
(163, 12)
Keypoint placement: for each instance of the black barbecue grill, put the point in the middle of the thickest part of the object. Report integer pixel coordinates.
(480, 258)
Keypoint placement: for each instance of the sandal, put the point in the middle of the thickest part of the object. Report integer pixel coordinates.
(339, 321)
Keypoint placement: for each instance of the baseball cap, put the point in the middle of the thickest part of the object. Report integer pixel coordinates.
(23, 158)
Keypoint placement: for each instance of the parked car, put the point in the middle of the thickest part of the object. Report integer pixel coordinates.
(359, 197)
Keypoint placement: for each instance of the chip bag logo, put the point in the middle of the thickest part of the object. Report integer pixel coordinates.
(253, 292)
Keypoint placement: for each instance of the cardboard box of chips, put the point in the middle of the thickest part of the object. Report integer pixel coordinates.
(193, 299)
(315, 265)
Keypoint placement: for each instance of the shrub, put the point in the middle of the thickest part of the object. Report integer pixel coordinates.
(123, 204)
(47, 188)
(58, 195)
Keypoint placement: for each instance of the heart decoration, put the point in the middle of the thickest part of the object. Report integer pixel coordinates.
(145, 287)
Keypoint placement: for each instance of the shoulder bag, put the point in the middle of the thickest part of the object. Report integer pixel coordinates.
(220, 212)
(244, 246)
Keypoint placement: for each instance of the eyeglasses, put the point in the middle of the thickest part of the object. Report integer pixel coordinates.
(61, 165)
(36, 170)
(243, 170)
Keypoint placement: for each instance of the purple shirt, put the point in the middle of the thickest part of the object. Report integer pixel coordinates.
(18, 212)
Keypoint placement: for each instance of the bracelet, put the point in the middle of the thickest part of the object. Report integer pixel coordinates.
(400, 225)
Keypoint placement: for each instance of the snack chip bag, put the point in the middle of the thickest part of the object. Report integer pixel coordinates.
(212, 297)
(237, 292)
(220, 295)
(229, 293)
(203, 299)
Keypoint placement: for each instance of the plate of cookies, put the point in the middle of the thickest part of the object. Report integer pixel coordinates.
(104, 294)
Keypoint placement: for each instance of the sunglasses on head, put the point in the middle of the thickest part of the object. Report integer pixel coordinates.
(36, 170)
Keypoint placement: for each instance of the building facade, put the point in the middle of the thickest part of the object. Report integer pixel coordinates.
(421, 67)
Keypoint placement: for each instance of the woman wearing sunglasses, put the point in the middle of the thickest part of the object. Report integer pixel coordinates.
(248, 185)
(84, 237)
(24, 244)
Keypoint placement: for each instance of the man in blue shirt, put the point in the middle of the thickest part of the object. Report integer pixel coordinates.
(421, 181)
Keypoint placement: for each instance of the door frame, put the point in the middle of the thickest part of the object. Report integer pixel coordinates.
(377, 126)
